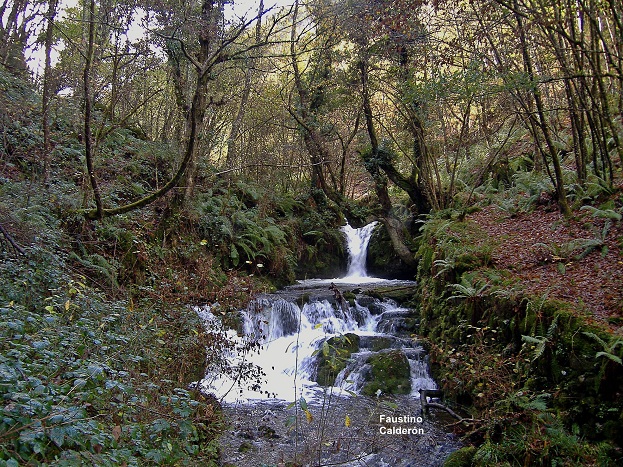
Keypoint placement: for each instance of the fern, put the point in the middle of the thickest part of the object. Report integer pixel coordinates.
(603, 213)
(612, 357)
(100, 265)
(522, 401)
(609, 348)
(609, 352)
(275, 234)
(541, 342)
(467, 290)
(444, 265)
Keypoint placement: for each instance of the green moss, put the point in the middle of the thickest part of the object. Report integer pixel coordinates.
(400, 293)
(381, 343)
(350, 298)
(461, 458)
(390, 373)
(333, 357)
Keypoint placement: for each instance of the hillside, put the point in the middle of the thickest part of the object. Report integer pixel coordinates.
(160, 155)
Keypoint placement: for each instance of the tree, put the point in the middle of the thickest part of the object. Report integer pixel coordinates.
(215, 46)
(47, 85)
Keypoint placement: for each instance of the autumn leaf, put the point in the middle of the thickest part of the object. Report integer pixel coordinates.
(116, 432)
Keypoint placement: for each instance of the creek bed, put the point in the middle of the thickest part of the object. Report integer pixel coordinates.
(258, 434)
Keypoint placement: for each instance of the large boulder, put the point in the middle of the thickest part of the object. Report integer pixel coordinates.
(383, 261)
(333, 356)
(389, 372)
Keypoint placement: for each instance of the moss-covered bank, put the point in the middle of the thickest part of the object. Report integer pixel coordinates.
(542, 380)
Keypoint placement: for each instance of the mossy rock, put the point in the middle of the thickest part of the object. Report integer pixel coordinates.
(400, 293)
(383, 261)
(381, 343)
(350, 298)
(333, 356)
(389, 372)
(461, 458)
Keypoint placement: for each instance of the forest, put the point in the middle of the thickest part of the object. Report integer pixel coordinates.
(159, 154)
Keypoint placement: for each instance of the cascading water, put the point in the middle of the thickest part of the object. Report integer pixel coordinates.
(290, 337)
(296, 330)
(357, 241)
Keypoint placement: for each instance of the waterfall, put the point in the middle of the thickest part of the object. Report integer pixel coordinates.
(357, 241)
(290, 339)
(288, 330)
(320, 343)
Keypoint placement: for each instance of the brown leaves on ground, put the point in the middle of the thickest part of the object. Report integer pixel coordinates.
(538, 249)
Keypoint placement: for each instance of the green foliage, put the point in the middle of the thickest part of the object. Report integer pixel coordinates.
(459, 246)
(525, 401)
(529, 187)
(605, 213)
(243, 235)
(608, 353)
(609, 347)
(97, 265)
(90, 380)
(542, 440)
(333, 356)
(390, 374)
(467, 290)
(74, 394)
(461, 458)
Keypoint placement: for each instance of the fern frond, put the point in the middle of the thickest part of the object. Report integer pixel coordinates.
(612, 357)
(602, 213)
(552, 327)
(533, 340)
(596, 337)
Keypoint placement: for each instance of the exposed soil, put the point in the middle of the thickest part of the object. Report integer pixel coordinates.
(535, 248)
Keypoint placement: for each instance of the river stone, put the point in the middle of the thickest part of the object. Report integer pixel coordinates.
(333, 356)
(389, 372)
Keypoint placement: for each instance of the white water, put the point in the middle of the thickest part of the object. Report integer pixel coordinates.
(290, 337)
(357, 241)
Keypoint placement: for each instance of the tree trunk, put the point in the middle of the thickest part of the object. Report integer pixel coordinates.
(561, 196)
(45, 111)
(88, 141)
(393, 225)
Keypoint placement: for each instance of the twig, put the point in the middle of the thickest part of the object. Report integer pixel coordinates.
(425, 393)
(10, 239)
(436, 405)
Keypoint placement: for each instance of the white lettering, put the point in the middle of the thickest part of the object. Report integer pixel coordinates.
(408, 419)
(401, 430)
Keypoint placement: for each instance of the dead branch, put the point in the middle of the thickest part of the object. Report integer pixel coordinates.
(11, 241)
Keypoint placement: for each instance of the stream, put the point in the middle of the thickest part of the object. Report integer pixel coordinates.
(335, 376)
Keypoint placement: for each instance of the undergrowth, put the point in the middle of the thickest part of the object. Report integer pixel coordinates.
(90, 381)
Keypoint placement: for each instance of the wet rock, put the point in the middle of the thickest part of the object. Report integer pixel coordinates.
(389, 372)
(267, 432)
(383, 261)
(399, 322)
(327, 440)
(377, 343)
(333, 357)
